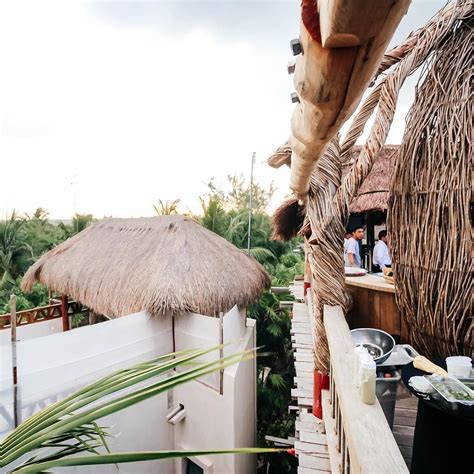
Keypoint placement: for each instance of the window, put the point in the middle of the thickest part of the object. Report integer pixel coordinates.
(193, 468)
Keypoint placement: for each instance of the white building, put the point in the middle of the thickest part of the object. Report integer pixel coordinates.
(167, 284)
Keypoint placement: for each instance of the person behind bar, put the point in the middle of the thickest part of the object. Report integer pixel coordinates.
(352, 250)
(347, 236)
(381, 256)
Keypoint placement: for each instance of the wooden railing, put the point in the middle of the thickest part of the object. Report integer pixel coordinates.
(359, 437)
(42, 313)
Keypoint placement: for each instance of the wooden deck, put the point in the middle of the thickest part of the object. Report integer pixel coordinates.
(310, 437)
(311, 442)
(404, 426)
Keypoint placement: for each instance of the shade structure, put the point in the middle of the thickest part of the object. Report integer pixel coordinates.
(165, 265)
(373, 195)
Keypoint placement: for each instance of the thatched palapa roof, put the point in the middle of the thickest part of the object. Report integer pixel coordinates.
(374, 192)
(166, 265)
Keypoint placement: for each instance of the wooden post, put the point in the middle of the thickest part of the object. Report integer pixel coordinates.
(65, 312)
(221, 351)
(14, 359)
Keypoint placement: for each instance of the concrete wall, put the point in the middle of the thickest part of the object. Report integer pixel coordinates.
(215, 421)
(30, 331)
(53, 366)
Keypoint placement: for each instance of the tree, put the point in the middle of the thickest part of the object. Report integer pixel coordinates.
(78, 224)
(167, 208)
(214, 217)
(15, 253)
(238, 196)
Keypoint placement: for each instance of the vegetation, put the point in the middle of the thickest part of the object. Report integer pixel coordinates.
(24, 238)
(65, 429)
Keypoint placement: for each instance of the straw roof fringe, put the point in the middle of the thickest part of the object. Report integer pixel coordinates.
(166, 265)
(373, 194)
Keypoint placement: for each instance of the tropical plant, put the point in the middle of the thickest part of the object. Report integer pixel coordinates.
(78, 224)
(166, 208)
(59, 433)
(14, 251)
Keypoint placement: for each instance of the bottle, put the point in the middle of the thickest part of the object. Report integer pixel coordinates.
(367, 376)
(358, 352)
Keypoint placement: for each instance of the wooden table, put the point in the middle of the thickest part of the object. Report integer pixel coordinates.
(374, 306)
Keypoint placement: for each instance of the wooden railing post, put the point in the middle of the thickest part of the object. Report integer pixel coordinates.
(65, 312)
(14, 358)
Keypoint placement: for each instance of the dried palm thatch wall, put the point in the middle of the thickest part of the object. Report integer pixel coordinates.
(432, 192)
(328, 212)
(166, 265)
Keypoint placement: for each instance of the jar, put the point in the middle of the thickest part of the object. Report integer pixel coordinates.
(367, 376)
(358, 352)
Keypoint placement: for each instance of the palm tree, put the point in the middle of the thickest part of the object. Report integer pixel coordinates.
(13, 249)
(68, 428)
(167, 208)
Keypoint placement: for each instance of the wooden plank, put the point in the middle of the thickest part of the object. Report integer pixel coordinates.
(307, 470)
(307, 402)
(304, 338)
(315, 426)
(310, 448)
(405, 421)
(410, 402)
(314, 437)
(304, 367)
(335, 457)
(301, 392)
(313, 462)
(308, 417)
(371, 444)
(300, 357)
(403, 439)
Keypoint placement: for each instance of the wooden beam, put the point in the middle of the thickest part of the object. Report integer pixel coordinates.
(330, 81)
(65, 312)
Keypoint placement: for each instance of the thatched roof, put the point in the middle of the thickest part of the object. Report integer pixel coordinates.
(374, 192)
(166, 265)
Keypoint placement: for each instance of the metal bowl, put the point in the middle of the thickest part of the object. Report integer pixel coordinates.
(379, 343)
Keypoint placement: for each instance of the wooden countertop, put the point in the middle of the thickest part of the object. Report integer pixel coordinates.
(371, 282)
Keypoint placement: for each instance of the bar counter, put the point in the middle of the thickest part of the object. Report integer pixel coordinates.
(374, 306)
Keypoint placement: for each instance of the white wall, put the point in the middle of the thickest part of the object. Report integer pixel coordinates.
(53, 366)
(215, 421)
(30, 331)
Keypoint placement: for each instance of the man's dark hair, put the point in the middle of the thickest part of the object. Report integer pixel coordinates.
(382, 233)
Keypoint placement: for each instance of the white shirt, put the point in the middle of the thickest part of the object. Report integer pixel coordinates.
(381, 256)
(352, 246)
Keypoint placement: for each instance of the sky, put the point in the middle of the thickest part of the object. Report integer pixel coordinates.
(107, 107)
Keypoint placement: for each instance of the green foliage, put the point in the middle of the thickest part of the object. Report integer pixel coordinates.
(79, 223)
(61, 431)
(238, 196)
(166, 208)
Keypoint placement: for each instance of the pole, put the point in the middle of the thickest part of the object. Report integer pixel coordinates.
(14, 359)
(65, 312)
(250, 204)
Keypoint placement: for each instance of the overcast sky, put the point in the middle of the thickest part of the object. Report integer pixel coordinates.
(106, 107)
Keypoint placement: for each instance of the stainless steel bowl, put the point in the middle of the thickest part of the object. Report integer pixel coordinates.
(379, 343)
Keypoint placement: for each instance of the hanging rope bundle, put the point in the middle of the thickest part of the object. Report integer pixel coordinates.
(431, 196)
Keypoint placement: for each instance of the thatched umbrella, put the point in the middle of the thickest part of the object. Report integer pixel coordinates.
(165, 265)
(374, 192)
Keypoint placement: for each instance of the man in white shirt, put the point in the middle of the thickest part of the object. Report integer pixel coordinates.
(352, 249)
(381, 256)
